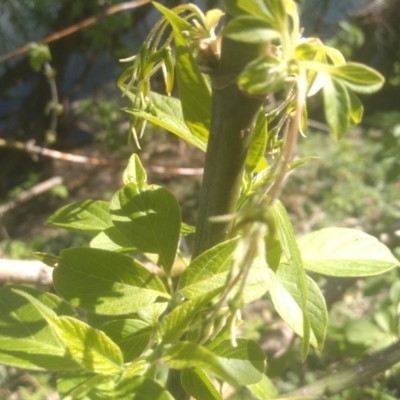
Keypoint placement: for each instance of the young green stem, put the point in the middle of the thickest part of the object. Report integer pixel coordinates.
(233, 115)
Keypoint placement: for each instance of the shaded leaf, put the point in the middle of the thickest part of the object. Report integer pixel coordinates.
(264, 390)
(238, 366)
(131, 336)
(250, 29)
(176, 323)
(105, 282)
(49, 259)
(196, 383)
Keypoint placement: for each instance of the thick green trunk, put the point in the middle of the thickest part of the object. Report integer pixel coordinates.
(232, 119)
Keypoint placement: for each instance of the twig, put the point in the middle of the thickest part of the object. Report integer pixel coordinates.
(356, 375)
(77, 27)
(32, 148)
(30, 193)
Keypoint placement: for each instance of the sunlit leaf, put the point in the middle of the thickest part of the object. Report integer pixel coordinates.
(241, 365)
(292, 253)
(345, 252)
(258, 142)
(88, 216)
(209, 272)
(113, 240)
(134, 172)
(105, 282)
(286, 297)
(150, 219)
(337, 107)
(168, 115)
(89, 347)
(357, 77)
(263, 76)
(26, 339)
(356, 108)
(194, 90)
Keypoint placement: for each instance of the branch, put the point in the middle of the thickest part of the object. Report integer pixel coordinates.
(232, 121)
(358, 374)
(25, 271)
(30, 193)
(77, 27)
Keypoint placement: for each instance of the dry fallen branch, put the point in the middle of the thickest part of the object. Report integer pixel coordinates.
(77, 27)
(23, 271)
(31, 193)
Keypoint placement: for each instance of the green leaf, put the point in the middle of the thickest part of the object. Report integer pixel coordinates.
(105, 282)
(150, 218)
(345, 252)
(357, 77)
(291, 250)
(250, 29)
(246, 361)
(366, 333)
(113, 240)
(256, 8)
(176, 323)
(80, 384)
(187, 229)
(264, 390)
(286, 296)
(209, 272)
(263, 76)
(141, 388)
(258, 142)
(168, 115)
(278, 11)
(196, 383)
(134, 172)
(308, 51)
(194, 90)
(131, 335)
(336, 107)
(49, 259)
(26, 340)
(241, 365)
(89, 347)
(356, 108)
(88, 216)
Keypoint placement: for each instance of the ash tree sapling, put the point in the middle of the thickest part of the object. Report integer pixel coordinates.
(140, 322)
